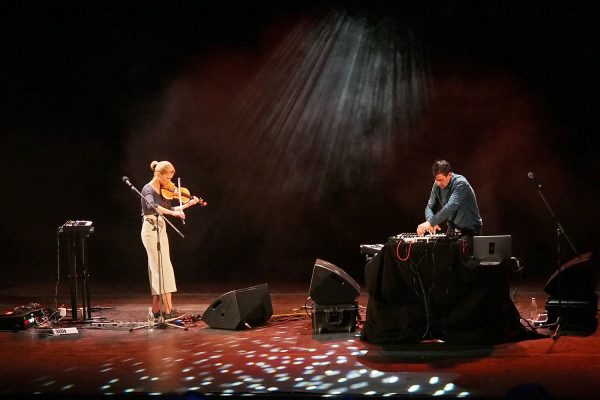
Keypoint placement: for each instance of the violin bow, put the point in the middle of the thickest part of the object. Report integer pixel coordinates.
(180, 202)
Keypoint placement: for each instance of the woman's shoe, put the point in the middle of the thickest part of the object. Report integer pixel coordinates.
(173, 314)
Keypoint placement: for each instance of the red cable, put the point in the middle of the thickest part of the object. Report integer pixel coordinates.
(398, 253)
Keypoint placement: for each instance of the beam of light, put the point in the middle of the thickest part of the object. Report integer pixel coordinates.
(329, 105)
(282, 132)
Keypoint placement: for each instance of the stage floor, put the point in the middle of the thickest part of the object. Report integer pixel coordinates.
(280, 359)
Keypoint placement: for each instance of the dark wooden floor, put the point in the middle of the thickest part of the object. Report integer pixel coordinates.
(280, 359)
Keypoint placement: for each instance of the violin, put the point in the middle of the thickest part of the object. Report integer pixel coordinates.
(171, 192)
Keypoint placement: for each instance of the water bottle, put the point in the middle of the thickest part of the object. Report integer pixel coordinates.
(533, 313)
(150, 319)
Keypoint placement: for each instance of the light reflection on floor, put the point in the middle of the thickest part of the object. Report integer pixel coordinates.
(249, 362)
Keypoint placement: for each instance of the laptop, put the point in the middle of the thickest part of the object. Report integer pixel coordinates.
(491, 250)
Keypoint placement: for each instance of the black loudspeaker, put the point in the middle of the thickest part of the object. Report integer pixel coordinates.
(332, 285)
(578, 314)
(577, 279)
(240, 308)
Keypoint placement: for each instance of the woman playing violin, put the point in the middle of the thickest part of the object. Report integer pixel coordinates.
(162, 280)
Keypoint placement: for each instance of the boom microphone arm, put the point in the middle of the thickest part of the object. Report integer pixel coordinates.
(559, 226)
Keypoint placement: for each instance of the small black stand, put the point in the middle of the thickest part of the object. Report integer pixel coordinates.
(161, 320)
(334, 318)
(559, 231)
(73, 237)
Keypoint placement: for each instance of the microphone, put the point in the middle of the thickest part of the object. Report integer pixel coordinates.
(126, 180)
(533, 180)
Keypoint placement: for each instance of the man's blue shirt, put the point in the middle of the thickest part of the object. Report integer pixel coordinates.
(455, 203)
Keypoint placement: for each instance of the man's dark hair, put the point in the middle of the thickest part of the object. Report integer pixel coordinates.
(441, 167)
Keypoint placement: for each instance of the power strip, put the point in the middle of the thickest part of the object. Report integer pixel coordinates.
(117, 325)
(64, 331)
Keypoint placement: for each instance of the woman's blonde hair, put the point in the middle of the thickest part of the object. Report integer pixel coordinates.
(162, 167)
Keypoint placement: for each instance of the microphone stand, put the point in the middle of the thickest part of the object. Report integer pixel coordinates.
(559, 230)
(161, 319)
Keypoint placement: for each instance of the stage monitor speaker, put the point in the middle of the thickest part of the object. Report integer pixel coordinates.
(238, 309)
(332, 285)
(575, 314)
(577, 279)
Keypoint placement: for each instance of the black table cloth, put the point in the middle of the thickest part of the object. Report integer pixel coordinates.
(434, 290)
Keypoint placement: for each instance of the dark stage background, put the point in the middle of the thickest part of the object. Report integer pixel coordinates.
(309, 127)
